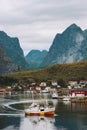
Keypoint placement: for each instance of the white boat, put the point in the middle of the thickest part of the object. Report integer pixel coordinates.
(37, 110)
(54, 95)
(67, 98)
(44, 91)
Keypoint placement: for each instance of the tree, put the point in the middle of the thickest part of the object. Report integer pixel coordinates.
(62, 83)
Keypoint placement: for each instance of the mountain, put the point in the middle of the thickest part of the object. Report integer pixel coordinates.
(35, 57)
(6, 65)
(68, 47)
(12, 48)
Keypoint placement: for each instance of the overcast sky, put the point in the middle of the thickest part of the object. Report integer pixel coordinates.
(36, 22)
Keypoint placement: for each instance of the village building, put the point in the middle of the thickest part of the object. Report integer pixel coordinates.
(72, 83)
(79, 92)
(54, 83)
(83, 82)
(43, 84)
(2, 92)
(69, 87)
(8, 91)
(38, 88)
(33, 84)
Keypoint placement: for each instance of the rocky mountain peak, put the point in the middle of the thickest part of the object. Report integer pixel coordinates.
(73, 28)
(68, 47)
(13, 50)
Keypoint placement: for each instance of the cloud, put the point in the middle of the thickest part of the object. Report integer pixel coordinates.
(36, 22)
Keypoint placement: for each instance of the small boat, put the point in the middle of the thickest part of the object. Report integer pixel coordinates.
(66, 98)
(36, 110)
(54, 95)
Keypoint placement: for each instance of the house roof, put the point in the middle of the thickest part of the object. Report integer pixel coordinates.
(83, 80)
(80, 89)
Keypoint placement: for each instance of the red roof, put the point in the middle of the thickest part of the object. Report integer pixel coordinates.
(83, 80)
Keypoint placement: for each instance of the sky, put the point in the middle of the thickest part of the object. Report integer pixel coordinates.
(36, 22)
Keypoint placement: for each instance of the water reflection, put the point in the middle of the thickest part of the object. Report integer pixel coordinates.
(69, 107)
(70, 116)
(71, 122)
(9, 122)
(38, 123)
(61, 122)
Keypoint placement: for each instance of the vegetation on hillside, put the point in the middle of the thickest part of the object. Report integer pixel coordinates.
(64, 73)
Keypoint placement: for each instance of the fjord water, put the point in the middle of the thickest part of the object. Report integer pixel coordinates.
(69, 116)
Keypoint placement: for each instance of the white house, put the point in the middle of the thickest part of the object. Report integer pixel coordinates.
(72, 83)
(83, 82)
(54, 83)
(43, 84)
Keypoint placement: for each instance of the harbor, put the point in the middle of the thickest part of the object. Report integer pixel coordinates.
(68, 115)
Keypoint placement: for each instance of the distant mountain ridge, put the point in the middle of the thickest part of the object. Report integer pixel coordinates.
(35, 57)
(68, 47)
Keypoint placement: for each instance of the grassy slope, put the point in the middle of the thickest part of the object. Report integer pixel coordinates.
(55, 72)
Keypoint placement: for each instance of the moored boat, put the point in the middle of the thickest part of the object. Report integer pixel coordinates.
(54, 95)
(67, 98)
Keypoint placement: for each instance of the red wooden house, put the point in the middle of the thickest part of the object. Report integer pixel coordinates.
(79, 92)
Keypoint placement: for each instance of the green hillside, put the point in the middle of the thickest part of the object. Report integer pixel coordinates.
(74, 71)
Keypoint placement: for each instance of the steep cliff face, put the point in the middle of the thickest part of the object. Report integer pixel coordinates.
(6, 65)
(68, 47)
(13, 50)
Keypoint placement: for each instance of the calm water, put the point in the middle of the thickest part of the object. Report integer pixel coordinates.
(69, 116)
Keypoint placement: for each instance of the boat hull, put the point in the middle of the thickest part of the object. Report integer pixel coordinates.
(50, 113)
(54, 97)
